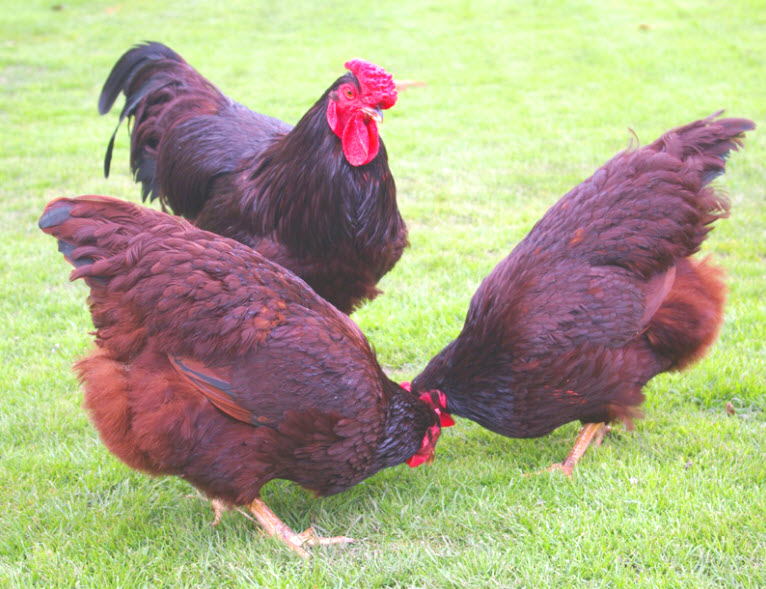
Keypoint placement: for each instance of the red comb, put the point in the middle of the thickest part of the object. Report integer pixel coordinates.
(375, 82)
(445, 419)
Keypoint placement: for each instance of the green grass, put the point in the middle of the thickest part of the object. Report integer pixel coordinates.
(522, 101)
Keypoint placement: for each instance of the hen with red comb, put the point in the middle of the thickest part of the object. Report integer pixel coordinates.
(317, 198)
(217, 366)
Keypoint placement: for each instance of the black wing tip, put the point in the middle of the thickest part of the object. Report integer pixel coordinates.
(55, 215)
(67, 249)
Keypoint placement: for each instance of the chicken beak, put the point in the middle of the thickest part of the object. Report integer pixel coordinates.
(376, 114)
(430, 459)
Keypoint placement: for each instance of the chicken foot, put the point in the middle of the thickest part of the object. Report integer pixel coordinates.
(590, 432)
(273, 526)
(308, 537)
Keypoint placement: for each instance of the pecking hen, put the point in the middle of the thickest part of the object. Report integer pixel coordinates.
(317, 198)
(219, 366)
(602, 295)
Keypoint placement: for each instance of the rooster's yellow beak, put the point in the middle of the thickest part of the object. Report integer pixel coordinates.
(376, 114)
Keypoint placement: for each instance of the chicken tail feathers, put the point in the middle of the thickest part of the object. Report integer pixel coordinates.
(91, 230)
(649, 207)
(705, 145)
(689, 318)
(161, 91)
(132, 62)
(127, 111)
(139, 62)
(680, 192)
(55, 215)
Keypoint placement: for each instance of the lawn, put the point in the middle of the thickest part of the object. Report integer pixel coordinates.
(520, 102)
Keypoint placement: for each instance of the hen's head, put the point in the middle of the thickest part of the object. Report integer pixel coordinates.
(355, 108)
(437, 401)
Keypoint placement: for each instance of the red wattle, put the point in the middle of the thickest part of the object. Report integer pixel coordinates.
(417, 460)
(360, 140)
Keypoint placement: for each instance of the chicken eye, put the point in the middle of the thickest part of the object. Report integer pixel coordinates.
(349, 93)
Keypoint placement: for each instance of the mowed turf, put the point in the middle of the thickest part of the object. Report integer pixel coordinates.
(520, 101)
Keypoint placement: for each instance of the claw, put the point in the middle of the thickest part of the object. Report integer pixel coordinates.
(311, 538)
(273, 526)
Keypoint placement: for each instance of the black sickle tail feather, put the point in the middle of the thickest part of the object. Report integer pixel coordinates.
(130, 104)
(151, 64)
(126, 68)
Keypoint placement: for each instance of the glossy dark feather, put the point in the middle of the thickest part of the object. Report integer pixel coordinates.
(288, 192)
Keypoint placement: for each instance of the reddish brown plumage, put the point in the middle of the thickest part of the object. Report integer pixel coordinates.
(601, 296)
(290, 193)
(216, 365)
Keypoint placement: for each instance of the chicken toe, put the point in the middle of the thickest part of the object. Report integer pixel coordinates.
(273, 526)
(311, 538)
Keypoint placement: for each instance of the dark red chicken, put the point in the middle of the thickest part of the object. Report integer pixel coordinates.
(601, 296)
(317, 198)
(219, 366)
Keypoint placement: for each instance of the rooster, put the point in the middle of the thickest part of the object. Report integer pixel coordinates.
(216, 365)
(317, 198)
(602, 295)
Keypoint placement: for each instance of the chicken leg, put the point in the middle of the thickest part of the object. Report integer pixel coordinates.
(590, 432)
(273, 526)
(219, 507)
